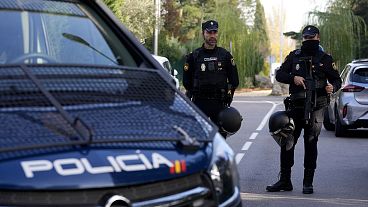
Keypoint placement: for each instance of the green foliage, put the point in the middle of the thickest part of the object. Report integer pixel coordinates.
(260, 28)
(137, 16)
(115, 6)
(247, 45)
(172, 23)
(181, 29)
(266, 69)
(341, 31)
(191, 21)
(360, 8)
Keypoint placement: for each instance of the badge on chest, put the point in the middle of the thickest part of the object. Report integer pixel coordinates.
(203, 67)
(210, 64)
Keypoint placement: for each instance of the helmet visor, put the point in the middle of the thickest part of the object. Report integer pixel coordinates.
(284, 138)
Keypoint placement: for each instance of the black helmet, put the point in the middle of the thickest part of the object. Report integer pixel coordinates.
(229, 120)
(281, 127)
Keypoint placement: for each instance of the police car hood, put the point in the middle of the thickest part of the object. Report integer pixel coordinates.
(100, 168)
(110, 126)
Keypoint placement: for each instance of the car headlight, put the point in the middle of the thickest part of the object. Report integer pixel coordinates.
(223, 169)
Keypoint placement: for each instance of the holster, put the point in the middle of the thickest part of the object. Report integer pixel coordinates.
(288, 104)
(297, 100)
(298, 96)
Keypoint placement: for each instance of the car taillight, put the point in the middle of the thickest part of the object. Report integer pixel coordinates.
(344, 111)
(352, 88)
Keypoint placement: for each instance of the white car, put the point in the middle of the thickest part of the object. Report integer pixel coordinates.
(348, 107)
(165, 63)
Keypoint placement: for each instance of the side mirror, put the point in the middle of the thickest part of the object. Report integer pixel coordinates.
(175, 73)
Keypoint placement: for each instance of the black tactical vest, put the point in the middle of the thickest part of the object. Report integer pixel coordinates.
(301, 67)
(210, 78)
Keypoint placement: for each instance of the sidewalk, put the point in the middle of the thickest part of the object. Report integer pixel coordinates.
(266, 92)
(247, 92)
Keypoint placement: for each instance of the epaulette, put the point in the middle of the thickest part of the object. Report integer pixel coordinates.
(298, 52)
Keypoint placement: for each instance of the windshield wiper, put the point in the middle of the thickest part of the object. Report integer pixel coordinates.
(80, 40)
(188, 143)
(82, 129)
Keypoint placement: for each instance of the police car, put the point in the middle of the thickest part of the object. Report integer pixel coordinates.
(165, 63)
(89, 118)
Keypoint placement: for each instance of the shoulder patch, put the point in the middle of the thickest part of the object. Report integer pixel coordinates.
(232, 61)
(334, 66)
(186, 67)
(297, 52)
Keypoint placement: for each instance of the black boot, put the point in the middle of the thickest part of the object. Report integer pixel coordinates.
(284, 184)
(308, 181)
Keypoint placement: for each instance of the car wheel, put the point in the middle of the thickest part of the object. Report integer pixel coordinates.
(327, 123)
(340, 130)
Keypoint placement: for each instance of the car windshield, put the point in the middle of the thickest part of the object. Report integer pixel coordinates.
(37, 32)
(117, 104)
(360, 75)
(59, 63)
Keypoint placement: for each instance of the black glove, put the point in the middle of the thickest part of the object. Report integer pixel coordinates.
(229, 97)
(288, 103)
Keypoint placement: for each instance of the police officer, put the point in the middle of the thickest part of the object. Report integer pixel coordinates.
(299, 66)
(210, 75)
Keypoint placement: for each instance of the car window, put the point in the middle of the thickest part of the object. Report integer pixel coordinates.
(59, 32)
(360, 75)
(87, 88)
(345, 72)
(167, 66)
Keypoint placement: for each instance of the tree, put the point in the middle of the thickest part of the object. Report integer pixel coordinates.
(137, 16)
(181, 29)
(341, 30)
(260, 28)
(171, 16)
(360, 8)
(273, 31)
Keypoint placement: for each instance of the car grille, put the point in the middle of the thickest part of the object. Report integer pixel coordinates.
(140, 195)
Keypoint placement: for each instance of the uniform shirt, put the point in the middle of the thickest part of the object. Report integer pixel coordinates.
(325, 71)
(212, 68)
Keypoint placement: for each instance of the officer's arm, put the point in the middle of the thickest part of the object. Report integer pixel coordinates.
(232, 76)
(188, 70)
(232, 73)
(283, 75)
(332, 73)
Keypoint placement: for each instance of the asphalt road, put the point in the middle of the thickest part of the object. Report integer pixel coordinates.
(341, 177)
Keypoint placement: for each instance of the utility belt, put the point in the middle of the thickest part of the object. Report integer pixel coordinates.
(218, 94)
(297, 100)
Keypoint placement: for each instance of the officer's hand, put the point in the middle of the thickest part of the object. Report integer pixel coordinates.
(329, 88)
(299, 81)
(229, 97)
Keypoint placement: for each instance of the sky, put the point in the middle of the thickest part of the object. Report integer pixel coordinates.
(296, 11)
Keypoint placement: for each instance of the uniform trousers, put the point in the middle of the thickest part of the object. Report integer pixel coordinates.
(210, 107)
(311, 133)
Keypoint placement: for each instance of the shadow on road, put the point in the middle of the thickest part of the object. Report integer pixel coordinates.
(354, 133)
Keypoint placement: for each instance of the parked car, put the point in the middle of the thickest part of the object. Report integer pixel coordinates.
(165, 63)
(89, 118)
(348, 107)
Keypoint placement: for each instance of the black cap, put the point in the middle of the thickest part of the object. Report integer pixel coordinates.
(210, 25)
(310, 30)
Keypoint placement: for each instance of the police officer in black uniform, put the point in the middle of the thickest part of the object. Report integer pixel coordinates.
(309, 62)
(210, 75)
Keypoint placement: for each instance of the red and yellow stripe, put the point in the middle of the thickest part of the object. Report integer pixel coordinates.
(178, 167)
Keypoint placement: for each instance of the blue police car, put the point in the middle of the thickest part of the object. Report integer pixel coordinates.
(89, 118)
